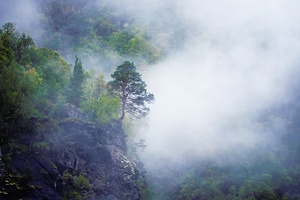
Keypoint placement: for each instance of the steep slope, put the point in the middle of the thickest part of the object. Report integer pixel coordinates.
(71, 160)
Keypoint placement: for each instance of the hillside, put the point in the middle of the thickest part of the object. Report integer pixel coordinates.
(225, 123)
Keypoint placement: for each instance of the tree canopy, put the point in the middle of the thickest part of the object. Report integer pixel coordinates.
(129, 86)
(31, 80)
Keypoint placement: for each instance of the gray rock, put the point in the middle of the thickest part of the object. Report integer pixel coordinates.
(74, 158)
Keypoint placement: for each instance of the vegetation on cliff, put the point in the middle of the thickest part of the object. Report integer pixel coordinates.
(59, 125)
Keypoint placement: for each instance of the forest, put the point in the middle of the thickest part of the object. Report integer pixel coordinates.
(86, 54)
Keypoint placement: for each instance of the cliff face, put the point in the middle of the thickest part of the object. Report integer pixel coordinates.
(74, 160)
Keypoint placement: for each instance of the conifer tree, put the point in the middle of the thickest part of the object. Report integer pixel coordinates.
(76, 81)
(131, 89)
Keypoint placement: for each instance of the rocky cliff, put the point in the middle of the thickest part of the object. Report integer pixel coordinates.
(72, 159)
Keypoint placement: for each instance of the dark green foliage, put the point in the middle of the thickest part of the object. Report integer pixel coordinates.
(6, 53)
(130, 88)
(20, 44)
(76, 83)
(23, 47)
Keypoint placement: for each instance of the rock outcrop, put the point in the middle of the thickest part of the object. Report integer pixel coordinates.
(72, 160)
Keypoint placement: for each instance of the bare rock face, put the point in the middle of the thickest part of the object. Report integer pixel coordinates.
(73, 160)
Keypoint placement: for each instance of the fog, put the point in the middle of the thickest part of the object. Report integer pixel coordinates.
(25, 14)
(240, 60)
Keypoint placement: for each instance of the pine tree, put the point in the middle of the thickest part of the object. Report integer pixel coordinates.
(129, 86)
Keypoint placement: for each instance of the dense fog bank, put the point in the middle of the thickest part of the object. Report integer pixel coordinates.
(240, 61)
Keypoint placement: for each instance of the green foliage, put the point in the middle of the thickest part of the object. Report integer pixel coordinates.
(134, 44)
(216, 181)
(128, 128)
(34, 81)
(31, 80)
(94, 86)
(96, 31)
(145, 191)
(130, 88)
(14, 90)
(97, 103)
(20, 44)
(52, 67)
(81, 182)
(76, 83)
(18, 87)
(6, 53)
(55, 73)
(75, 187)
(196, 188)
(103, 109)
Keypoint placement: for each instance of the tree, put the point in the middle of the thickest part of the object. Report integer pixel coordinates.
(128, 85)
(96, 102)
(76, 83)
(94, 86)
(6, 52)
(19, 83)
(102, 109)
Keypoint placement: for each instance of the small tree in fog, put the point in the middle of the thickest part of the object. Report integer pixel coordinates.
(76, 81)
(129, 86)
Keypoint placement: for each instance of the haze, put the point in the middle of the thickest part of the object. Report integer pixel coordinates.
(239, 59)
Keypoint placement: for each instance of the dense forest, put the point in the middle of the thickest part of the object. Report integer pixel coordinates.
(68, 67)
(104, 33)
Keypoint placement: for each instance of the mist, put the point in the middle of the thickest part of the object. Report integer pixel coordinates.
(224, 124)
(25, 14)
(240, 60)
